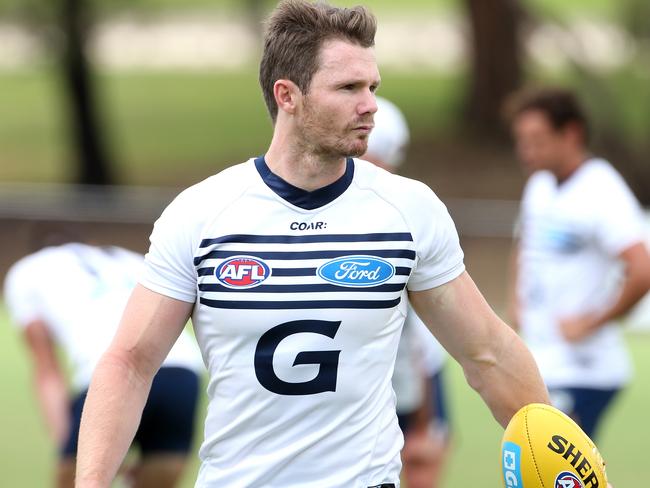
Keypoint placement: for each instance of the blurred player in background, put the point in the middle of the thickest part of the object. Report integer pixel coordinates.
(71, 296)
(581, 261)
(417, 378)
(294, 267)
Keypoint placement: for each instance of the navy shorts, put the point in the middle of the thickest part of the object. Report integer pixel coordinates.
(584, 405)
(439, 415)
(167, 421)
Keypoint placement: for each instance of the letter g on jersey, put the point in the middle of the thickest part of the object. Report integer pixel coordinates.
(325, 380)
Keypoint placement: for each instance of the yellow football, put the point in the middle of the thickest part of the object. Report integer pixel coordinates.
(544, 448)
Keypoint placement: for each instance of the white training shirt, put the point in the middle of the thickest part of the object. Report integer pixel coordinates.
(79, 292)
(300, 299)
(408, 375)
(432, 354)
(419, 357)
(571, 236)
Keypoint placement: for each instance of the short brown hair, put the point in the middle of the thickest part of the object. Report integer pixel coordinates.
(559, 105)
(295, 33)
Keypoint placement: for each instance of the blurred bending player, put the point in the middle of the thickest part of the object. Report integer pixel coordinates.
(581, 261)
(417, 378)
(71, 296)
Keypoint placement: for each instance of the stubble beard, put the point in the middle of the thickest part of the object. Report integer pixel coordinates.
(319, 139)
(321, 142)
(360, 148)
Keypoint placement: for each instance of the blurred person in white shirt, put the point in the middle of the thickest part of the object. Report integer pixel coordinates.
(70, 295)
(581, 262)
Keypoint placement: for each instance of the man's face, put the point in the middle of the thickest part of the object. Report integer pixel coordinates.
(538, 144)
(337, 111)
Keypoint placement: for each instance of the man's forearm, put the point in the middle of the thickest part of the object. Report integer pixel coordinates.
(52, 392)
(509, 378)
(634, 288)
(495, 360)
(635, 285)
(110, 419)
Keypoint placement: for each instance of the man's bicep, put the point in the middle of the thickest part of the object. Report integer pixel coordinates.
(150, 325)
(457, 314)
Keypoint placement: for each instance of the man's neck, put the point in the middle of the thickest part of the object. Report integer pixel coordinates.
(570, 166)
(303, 168)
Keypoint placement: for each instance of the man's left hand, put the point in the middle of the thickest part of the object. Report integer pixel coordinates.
(575, 329)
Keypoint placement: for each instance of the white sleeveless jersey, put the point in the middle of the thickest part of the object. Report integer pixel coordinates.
(300, 299)
(79, 292)
(571, 236)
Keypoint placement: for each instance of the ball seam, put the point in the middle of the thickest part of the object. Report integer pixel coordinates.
(530, 447)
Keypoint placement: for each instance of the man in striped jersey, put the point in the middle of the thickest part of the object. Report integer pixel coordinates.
(295, 267)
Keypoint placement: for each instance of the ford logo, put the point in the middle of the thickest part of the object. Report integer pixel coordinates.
(356, 271)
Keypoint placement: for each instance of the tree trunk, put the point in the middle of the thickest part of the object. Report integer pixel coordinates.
(255, 11)
(496, 61)
(84, 122)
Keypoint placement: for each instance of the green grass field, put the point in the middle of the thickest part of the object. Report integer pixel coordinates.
(174, 128)
(28, 458)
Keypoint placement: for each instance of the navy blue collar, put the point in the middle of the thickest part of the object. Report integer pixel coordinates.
(308, 200)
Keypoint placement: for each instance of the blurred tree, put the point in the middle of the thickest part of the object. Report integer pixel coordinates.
(255, 13)
(64, 27)
(636, 17)
(83, 112)
(613, 96)
(496, 53)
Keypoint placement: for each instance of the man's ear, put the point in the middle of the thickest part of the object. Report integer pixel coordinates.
(287, 95)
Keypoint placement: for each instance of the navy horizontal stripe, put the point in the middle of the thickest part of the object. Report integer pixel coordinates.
(288, 255)
(286, 305)
(308, 288)
(283, 239)
(289, 272)
(283, 272)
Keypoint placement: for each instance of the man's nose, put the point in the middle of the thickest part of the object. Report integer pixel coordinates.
(369, 103)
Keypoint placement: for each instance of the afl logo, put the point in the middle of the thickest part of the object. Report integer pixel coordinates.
(567, 479)
(242, 272)
(356, 271)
